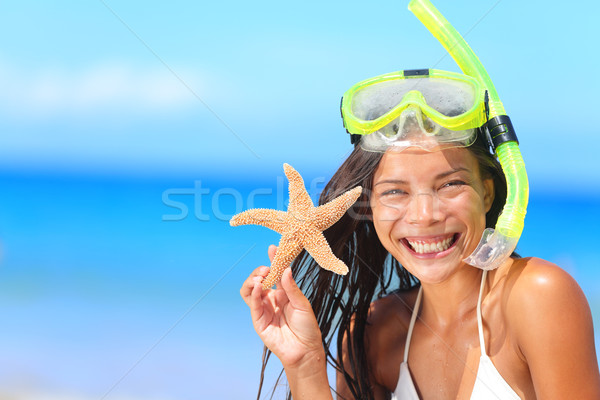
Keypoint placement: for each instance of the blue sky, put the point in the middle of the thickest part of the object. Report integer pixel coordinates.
(187, 88)
(180, 92)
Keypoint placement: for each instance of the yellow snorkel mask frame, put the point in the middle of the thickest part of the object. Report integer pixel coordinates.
(486, 112)
(404, 89)
(427, 108)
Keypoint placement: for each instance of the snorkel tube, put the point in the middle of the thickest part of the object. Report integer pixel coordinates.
(497, 244)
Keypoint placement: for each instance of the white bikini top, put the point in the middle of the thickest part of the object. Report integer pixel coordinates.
(489, 384)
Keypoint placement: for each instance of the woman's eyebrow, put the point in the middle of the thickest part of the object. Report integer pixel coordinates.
(452, 171)
(396, 181)
(439, 176)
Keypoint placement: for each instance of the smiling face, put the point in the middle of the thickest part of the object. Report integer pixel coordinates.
(429, 209)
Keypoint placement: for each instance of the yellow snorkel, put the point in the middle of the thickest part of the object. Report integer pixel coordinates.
(497, 244)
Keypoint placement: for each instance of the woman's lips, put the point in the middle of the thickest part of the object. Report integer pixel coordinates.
(430, 246)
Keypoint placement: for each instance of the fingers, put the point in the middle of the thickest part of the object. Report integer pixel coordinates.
(257, 275)
(294, 294)
(280, 295)
(257, 308)
(261, 272)
(272, 251)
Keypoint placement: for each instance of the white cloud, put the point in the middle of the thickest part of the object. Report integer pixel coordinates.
(111, 88)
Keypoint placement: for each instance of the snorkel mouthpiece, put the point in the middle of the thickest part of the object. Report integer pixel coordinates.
(497, 244)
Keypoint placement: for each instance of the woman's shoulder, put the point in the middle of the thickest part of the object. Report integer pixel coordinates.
(392, 309)
(531, 279)
(538, 291)
(551, 325)
(389, 318)
(387, 327)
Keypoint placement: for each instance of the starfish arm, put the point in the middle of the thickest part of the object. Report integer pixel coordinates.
(300, 201)
(329, 213)
(319, 249)
(288, 249)
(272, 219)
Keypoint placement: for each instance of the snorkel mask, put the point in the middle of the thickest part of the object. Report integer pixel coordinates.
(435, 109)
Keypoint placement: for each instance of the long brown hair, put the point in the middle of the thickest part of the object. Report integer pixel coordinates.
(340, 302)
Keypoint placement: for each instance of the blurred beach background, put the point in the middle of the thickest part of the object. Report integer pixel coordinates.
(132, 131)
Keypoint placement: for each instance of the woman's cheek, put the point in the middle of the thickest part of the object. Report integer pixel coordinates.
(386, 215)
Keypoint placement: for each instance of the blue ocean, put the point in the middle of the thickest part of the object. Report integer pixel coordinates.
(128, 287)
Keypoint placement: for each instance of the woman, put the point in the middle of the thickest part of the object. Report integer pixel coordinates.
(522, 330)
(537, 324)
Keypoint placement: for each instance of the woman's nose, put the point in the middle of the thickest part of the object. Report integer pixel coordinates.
(424, 209)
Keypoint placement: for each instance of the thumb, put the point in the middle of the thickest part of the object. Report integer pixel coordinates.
(294, 294)
(272, 250)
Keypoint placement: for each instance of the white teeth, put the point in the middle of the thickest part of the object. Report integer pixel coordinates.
(434, 247)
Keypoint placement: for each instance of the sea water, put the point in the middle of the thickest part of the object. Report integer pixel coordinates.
(128, 288)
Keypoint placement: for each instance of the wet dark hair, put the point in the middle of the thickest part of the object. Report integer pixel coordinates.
(342, 302)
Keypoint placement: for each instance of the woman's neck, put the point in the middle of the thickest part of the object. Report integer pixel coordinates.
(447, 302)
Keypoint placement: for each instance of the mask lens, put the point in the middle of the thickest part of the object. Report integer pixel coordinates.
(380, 98)
(449, 97)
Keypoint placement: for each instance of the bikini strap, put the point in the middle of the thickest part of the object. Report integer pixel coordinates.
(413, 318)
(479, 319)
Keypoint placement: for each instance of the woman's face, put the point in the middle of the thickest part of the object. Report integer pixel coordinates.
(429, 209)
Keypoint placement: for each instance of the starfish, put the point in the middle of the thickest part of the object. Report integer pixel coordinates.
(301, 227)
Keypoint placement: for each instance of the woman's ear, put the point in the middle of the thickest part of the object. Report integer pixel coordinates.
(488, 193)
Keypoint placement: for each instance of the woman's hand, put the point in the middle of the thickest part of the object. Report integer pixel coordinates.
(283, 317)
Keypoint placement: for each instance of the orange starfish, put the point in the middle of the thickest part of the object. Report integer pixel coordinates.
(301, 227)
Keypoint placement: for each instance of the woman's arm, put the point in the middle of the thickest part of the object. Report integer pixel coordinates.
(284, 320)
(553, 326)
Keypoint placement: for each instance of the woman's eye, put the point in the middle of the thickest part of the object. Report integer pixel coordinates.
(393, 192)
(454, 183)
